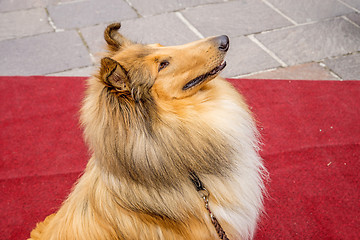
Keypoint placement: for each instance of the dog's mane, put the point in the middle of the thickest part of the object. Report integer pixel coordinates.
(131, 140)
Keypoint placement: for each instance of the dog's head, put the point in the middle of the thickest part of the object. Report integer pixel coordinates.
(141, 71)
(141, 115)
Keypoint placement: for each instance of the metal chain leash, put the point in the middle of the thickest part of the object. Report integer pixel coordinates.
(204, 193)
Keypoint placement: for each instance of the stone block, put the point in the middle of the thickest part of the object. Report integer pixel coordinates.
(87, 13)
(347, 67)
(354, 17)
(306, 71)
(312, 42)
(245, 56)
(309, 10)
(153, 7)
(235, 18)
(94, 38)
(76, 72)
(166, 29)
(23, 23)
(14, 5)
(353, 3)
(43, 54)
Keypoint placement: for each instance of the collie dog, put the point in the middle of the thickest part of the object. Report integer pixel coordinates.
(174, 149)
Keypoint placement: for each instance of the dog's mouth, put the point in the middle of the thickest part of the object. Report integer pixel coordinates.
(198, 80)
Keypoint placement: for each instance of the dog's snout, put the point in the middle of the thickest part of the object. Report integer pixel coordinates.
(223, 43)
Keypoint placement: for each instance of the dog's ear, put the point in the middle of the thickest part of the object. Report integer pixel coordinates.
(114, 39)
(113, 74)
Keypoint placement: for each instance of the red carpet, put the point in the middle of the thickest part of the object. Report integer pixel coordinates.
(311, 135)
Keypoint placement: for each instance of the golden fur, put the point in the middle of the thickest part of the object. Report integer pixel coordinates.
(146, 130)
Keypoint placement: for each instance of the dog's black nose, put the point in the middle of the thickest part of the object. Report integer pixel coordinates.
(223, 43)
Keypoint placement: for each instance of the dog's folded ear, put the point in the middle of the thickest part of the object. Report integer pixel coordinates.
(113, 74)
(114, 39)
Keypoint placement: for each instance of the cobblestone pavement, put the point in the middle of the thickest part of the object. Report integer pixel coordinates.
(286, 39)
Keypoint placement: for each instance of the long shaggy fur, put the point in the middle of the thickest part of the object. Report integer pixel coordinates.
(146, 133)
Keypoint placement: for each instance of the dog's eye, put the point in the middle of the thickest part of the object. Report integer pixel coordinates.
(163, 65)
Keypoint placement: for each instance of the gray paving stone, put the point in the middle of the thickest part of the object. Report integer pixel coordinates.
(313, 42)
(306, 71)
(94, 37)
(13, 5)
(234, 18)
(43, 54)
(166, 29)
(56, 2)
(146, 8)
(309, 10)
(87, 13)
(354, 17)
(244, 56)
(76, 72)
(347, 67)
(23, 23)
(353, 3)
